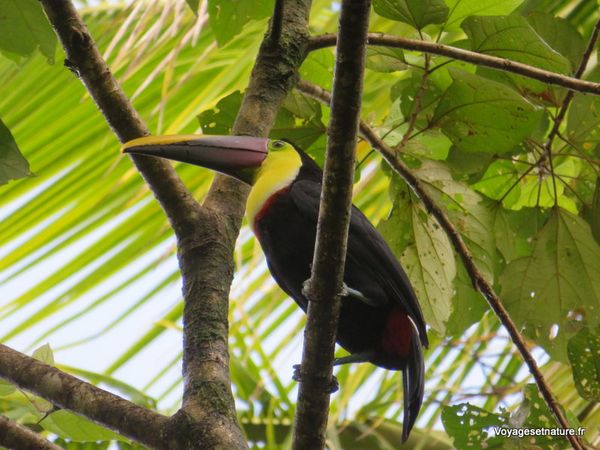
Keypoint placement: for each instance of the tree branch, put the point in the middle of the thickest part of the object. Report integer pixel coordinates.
(477, 278)
(68, 392)
(85, 61)
(329, 259)
(494, 62)
(14, 435)
(205, 256)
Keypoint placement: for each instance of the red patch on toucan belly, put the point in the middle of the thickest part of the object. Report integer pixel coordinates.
(264, 209)
(398, 333)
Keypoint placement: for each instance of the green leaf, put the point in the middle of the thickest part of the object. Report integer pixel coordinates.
(25, 28)
(193, 4)
(73, 427)
(219, 120)
(596, 212)
(559, 34)
(12, 163)
(515, 230)
(583, 120)
(417, 13)
(385, 59)
(6, 388)
(470, 426)
(513, 38)
(546, 291)
(481, 115)
(44, 354)
(468, 305)
(228, 17)
(426, 255)
(459, 9)
(318, 68)
(584, 355)
(467, 211)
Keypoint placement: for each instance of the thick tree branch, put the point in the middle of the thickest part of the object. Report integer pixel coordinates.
(477, 278)
(494, 62)
(14, 435)
(206, 255)
(68, 392)
(329, 259)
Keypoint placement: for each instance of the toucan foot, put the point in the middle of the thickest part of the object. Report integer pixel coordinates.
(332, 383)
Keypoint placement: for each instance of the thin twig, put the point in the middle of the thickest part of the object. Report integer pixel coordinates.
(477, 278)
(327, 272)
(567, 102)
(494, 62)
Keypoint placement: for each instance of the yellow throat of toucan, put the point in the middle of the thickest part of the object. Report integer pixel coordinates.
(278, 170)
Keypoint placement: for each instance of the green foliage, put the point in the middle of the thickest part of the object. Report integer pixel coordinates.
(12, 163)
(413, 12)
(527, 204)
(228, 17)
(584, 356)
(24, 29)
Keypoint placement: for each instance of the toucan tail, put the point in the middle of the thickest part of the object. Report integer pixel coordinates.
(413, 382)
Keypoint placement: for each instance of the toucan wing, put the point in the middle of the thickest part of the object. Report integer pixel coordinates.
(369, 261)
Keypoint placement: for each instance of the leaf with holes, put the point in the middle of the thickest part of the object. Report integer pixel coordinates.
(466, 210)
(425, 253)
(544, 291)
(471, 426)
(481, 115)
(584, 355)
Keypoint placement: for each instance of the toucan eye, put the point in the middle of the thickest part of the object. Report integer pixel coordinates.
(278, 144)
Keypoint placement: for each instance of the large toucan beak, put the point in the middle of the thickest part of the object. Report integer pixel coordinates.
(237, 156)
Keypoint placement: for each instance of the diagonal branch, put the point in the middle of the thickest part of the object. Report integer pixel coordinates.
(68, 392)
(477, 278)
(85, 60)
(494, 62)
(329, 259)
(14, 435)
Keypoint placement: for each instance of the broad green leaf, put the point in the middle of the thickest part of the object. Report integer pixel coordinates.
(559, 34)
(584, 355)
(385, 59)
(583, 121)
(417, 13)
(515, 230)
(512, 37)
(12, 163)
(318, 68)
(596, 212)
(481, 115)
(460, 9)
(426, 255)
(73, 427)
(44, 354)
(25, 28)
(471, 427)
(219, 120)
(6, 388)
(468, 305)
(545, 292)
(466, 210)
(228, 17)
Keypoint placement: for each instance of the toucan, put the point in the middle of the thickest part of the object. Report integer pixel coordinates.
(380, 318)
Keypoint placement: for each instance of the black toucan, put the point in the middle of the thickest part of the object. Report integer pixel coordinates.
(380, 319)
